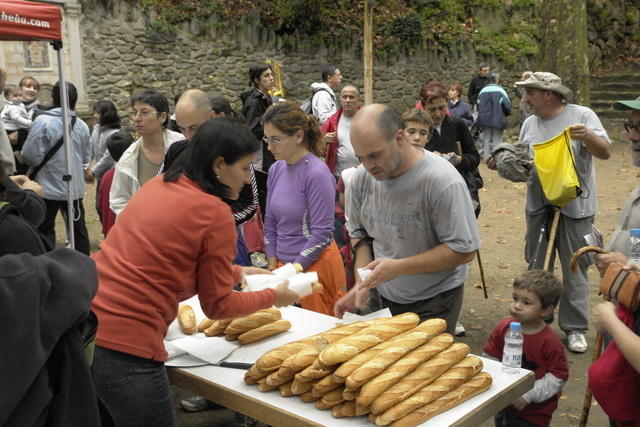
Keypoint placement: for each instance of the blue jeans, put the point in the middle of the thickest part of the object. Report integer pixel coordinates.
(134, 390)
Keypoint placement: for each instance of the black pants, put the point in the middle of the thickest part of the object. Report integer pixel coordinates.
(48, 226)
(261, 183)
(445, 306)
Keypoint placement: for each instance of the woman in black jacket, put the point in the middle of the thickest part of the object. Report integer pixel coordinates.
(254, 103)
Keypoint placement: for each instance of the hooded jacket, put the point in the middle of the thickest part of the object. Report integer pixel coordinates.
(254, 104)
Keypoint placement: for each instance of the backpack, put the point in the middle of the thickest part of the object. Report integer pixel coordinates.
(307, 104)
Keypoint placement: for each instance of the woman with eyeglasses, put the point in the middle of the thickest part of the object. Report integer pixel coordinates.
(298, 224)
(175, 239)
(143, 160)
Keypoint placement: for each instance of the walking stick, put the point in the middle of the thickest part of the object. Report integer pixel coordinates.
(552, 238)
(586, 405)
(484, 283)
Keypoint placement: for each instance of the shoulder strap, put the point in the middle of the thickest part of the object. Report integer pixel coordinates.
(323, 89)
(52, 151)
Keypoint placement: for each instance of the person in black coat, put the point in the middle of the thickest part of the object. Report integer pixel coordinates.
(451, 138)
(254, 103)
(477, 83)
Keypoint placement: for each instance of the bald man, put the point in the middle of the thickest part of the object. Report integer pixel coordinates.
(411, 222)
(192, 110)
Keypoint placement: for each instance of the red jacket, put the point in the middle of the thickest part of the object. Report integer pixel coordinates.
(331, 153)
(172, 241)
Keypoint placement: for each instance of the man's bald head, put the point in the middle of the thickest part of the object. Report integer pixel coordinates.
(379, 147)
(192, 110)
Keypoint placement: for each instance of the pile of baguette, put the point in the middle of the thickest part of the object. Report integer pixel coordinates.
(248, 329)
(397, 370)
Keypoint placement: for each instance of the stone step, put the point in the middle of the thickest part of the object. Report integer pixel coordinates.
(610, 113)
(613, 95)
(608, 78)
(632, 85)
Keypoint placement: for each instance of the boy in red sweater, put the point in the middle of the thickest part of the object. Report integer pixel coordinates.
(117, 144)
(535, 296)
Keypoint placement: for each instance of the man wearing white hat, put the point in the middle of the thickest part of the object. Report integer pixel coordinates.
(548, 100)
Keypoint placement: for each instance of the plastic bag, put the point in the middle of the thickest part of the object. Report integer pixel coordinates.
(556, 169)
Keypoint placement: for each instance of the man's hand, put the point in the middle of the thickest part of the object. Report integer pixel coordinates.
(13, 137)
(520, 404)
(601, 316)
(329, 137)
(602, 261)
(383, 270)
(579, 132)
(89, 177)
(491, 163)
(351, 302)
(25, 183)
(285, 296)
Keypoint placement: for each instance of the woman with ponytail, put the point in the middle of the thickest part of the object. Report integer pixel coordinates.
(298, 224)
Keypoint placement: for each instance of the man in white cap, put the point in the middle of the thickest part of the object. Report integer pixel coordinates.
(548, 100)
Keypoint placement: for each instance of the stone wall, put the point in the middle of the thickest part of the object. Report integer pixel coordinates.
(121, 57)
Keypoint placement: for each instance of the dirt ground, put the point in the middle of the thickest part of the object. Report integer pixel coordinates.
(502, 229)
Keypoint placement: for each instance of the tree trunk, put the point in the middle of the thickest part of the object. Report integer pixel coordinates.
(564, 48)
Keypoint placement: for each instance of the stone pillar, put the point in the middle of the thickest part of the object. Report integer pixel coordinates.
(74, 59)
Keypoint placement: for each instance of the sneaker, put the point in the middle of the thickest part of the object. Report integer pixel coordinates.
(198, 403)
(258, 259)
(576, 342)
(460, 330)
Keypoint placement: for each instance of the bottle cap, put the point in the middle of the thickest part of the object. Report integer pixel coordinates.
(634, 232)
(515, 326)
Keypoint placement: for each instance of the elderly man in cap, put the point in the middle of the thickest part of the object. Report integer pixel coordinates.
(548, 100)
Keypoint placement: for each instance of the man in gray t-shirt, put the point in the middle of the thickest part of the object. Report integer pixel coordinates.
(551, 114)
(411, 222)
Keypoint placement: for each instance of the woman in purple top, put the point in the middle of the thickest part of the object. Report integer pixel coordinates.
(298, 224)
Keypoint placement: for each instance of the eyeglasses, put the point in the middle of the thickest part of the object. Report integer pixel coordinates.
(630, 126)
(274, 140)
(142, 113)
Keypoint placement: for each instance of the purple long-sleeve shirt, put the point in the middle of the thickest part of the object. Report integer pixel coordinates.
(298, 224)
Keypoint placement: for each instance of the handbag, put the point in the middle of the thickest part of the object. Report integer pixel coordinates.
(621, 285)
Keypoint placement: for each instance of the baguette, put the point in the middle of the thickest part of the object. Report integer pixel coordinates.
(272, 359)
(476, 385)
(264, 331)
(308, 397)
(204, 324)
(361, 410)
(345, 349)
(285, 389)
(264, 387)
(299, 387)
(349, 394)
(458, 374)
(297, 362)
(419, 378)
(335, 334)
(346, 409)
(187, 319)
(275, 379)
(331, 399)
(313, 372)
(398, 347)
(255, 320)
(253, 374)
(394, 373)
(231, 337)
(324, 385)
(217, 327)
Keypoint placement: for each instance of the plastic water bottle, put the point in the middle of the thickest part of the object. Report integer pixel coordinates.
(512, 352)
(633, 246)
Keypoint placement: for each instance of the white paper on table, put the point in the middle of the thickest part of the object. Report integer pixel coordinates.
(352, 318)
(173, 331)
(185, 361)
(209, 349)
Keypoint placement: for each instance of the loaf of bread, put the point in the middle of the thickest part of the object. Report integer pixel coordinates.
(204, 324)
(420, 377)
(231, 337)
(255, 320)
(346, 348)
(336, 334)
(273, 359)
(331, 399)
(476, 385)
(299, 387)
(349, 394)
(264, 331)
(217, 327)
(275, 379)
(253, 374)
(324, 385)
(314, 372)
(264, 387)
(187, 319)
(308, 397)
(394, 373)
(458, 374)
(398, 347)
(361, 409)
(345, 409)
(285, 389)
(297, 362)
